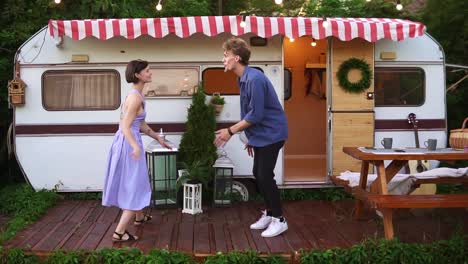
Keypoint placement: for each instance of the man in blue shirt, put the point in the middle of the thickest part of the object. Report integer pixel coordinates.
(264, 122)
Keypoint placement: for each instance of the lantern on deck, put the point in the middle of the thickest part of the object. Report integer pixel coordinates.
(192, 198)
(163, 174)
(222, 195)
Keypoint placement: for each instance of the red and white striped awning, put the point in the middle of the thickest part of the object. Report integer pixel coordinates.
(370, 29)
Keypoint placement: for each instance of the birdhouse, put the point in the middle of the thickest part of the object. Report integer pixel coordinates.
(16, 89)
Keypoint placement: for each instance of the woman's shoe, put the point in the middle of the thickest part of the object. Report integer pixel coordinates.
(145, 218)
(130, 237)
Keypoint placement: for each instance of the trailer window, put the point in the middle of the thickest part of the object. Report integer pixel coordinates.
(399, 86)
(81, 90)
(172, 82)
(215, 80)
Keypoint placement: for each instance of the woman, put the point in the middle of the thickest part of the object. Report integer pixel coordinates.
(127, 183)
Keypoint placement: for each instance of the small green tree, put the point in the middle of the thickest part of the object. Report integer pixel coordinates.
(197, 144)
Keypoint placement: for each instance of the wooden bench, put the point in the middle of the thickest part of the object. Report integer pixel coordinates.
(418, 201)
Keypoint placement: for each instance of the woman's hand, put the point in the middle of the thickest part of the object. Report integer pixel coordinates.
(164, 144)
(136, 153)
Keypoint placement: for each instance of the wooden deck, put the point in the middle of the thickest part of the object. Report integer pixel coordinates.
(75, 225)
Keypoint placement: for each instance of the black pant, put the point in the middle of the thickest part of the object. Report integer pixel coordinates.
(264, 164)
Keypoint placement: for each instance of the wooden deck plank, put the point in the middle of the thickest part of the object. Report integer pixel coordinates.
(201, 238)
(221, 241)
(326, 237)
(54, 238)
(312, 224)
(82, 210)
(185, 237)
(109, 215)
(75, 239)
(95, 212)
(106, 241)
(165, 235)
(238, 238)
(25, 238)
(91, 241)
(149, 238)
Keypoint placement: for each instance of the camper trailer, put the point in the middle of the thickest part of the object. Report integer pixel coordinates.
(74, 77)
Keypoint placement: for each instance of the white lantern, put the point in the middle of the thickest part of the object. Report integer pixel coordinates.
(192, 198)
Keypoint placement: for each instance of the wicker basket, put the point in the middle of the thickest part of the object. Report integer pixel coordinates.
(459, 137)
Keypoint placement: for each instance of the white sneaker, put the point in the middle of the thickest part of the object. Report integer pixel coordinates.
(261, 223)
(275, 228)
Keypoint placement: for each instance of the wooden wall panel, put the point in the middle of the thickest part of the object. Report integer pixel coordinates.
(342, 51)
(350, 129)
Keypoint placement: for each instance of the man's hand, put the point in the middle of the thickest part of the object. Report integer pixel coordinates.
(222, 137)
(249, 149)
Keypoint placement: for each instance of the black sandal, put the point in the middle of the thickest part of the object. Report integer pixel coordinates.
(145, 218)
(120, 239)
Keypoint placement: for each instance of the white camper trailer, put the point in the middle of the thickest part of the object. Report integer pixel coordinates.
(75, 84)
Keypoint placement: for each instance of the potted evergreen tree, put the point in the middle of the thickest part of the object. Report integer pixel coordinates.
(218, 103)
(196, 148)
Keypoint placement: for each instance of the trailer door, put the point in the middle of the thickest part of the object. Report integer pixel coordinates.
(350, 115)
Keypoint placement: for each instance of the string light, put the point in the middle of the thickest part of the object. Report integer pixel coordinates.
(278, 2)
(58, 1)
(399, 6)
(325, 22)
(368, 0)
(159, 6)
(291, 40)
(313, 43)
(242, 23)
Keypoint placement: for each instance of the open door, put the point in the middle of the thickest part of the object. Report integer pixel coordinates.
(351, 115)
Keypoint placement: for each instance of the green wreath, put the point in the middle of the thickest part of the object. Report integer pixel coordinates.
(354, 87)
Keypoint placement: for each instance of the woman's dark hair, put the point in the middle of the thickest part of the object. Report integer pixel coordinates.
(134, 66)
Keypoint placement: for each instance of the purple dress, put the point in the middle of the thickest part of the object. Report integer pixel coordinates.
(127, 183)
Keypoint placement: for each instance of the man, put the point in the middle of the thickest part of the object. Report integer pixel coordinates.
(265, 125)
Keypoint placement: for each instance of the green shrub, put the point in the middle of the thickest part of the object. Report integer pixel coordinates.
(24, 205)
(243, 257)
(217, 100)
(393, 251)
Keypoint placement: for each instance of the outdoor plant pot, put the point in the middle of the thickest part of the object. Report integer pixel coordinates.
(217, 102)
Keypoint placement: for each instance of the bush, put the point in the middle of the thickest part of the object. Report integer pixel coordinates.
(24, 205)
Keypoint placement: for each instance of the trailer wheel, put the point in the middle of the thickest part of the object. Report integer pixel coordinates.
(240, 189)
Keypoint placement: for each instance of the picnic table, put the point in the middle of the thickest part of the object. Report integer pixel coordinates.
(378, 195)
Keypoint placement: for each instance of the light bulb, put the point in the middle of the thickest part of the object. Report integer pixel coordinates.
(58, 1)
(159, 7)
(278, 2)
(325, 23)
(399, 7)
(313, 44)
(291, 40)
(242, 24)
(368, 0)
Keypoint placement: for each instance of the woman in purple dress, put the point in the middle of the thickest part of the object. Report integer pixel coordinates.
(127, 183)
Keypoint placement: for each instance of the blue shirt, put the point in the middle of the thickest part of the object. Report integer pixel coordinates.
(261, 107)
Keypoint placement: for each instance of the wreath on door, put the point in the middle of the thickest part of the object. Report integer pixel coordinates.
(359, 86)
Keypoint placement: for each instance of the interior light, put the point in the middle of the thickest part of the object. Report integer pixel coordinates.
(313, 43)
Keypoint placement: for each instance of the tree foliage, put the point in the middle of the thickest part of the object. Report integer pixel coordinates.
(197, 145)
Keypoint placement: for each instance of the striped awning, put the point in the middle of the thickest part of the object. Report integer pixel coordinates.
(370, 29)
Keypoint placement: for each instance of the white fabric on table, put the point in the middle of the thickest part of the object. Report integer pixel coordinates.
(403, 183)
